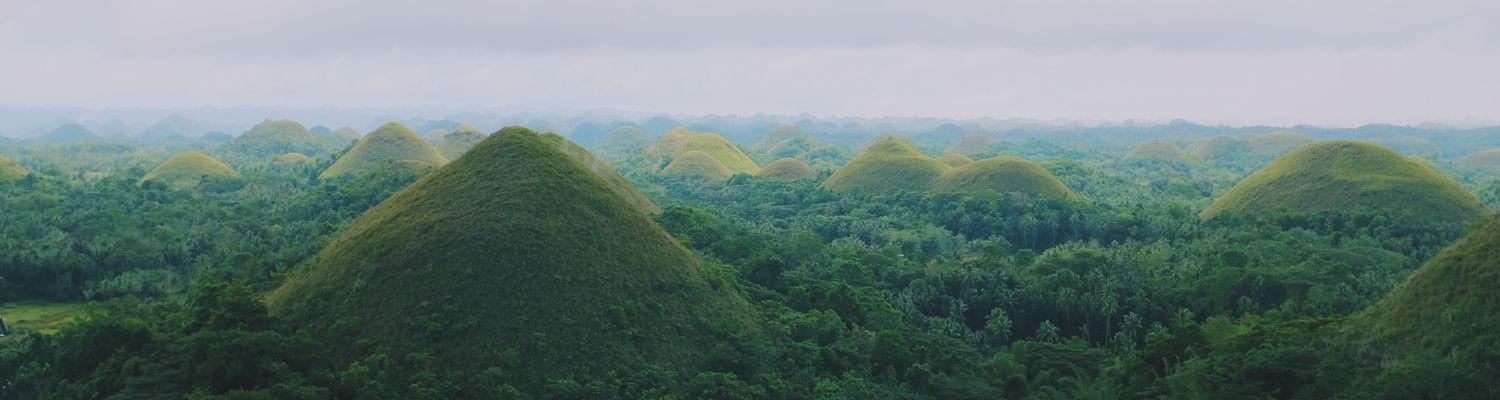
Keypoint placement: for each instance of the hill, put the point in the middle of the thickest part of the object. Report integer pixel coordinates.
(1446, 308)
(391, 142)
(458, 141)
(1483, 159)
(186, 170)
(10, 171)
(1277, 143)
(888, 164)
(1157, 150)
(954, 160)
(779, 137)
(1346, 175)
(272, 137)
(972, 143)
(515, 248)
(293, 159)
(612, 179)
(175, 126)
(338, 138)
(720, 149)
(624, 140)
(69, 133)
(668, 143)
(1218, 148)
(697, 165)
(1001, 175)
(787, 169)
(434, 136)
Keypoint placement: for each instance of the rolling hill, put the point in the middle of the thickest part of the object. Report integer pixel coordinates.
(1277, 143)
(515, 248)
(624, 140)
(889, 164)
(787, 169)
(458, 141)
(272, 137)
(1483, 159)
(1001, 175)
(612, 179)
(954, 160)
(1157, 150)
(1347, 175)
(391, 142)
(186, 170)
(697, 165)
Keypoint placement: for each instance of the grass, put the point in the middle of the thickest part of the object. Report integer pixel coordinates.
(38, 317)
(517, 251)
(1483, 159)
(954, 160)
(272, 137)
(697, 165)
(11, 171)
(187, 169)
(996, 176)
(779, 136)
(1219, 148)
(613, 179)
(720, 149)
(624, 140)
(972, 143)
(1277, 143)
(1446, 307)
(1345, 175)
(787, 169)
(889, 164)
(460, 140)
(339, 138)
(392, 142)
(1157, 150)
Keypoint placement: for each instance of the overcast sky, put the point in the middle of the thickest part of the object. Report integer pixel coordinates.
(1263, 61)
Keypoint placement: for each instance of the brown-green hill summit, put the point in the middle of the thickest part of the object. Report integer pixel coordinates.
(460, 140)
(787, 169)
(888, 164)
(186, 170)
(272, 137)
(1000, 175)
(1347, 175)
(1157, 150)
(392, 142)
(515, 248)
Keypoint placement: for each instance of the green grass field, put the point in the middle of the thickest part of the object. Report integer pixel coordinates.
(38, 317)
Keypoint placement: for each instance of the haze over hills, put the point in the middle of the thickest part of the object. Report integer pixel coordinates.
(519, 248)
(1346, 175)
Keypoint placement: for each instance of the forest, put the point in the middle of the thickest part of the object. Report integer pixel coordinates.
(750, 258)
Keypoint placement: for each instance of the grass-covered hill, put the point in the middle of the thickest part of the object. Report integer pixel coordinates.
(787, 169)
(515, 254)
(954, 160)
(338, 139)
(670, 142)
(435, 136)
(677, 142)
(1346, 175)
(779, 137)
(697, 165)
(69, 133)
(1277, 143)
(10, 171)
(611, 178)
(458, 141)
(175, 126)
(1157, 150)
(272, 137)
(624, 140)
(972, 143)
(888, 164)
(392, 142)
(187, 170)
(1001, 175)
(1484, 159)
(1447, 309)
(1219, 148)
(293, 159)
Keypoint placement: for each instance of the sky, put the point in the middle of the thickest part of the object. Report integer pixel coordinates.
(1337, 63)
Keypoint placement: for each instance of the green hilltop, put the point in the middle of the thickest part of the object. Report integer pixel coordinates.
(781, 136)
(1345, 175)
(612, 179)
(954, 160)
(1277, 143)
(186, 170)
(1447, 307)
(676, 142)
(338, 138)
(1219, 148)
(434, 136)
(1484, 159)
(392, 142)
(272, 137)
(69, 133)
(458, 141)
(1000, 175)
(697, 165)
(10, 171)
(293, 159)
(1157, 150)
(787, 169)
(624, 140)
(515, 251)
(972, 143)
(888, 164)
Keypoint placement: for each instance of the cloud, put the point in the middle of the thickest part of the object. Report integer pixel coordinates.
(1296, 61)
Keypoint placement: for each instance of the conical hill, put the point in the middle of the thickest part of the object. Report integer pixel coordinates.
(1348, 175)
(515, 248)
(613, 179)
(624, 140)
(458, 141)
(1002, 175)
(1483, 159)
(954, 160)
(697, 165)
(186, 170)
(392, 142)
(272, 137)
(787, 169)
(1157, 150)
(676, 142)
(1277, 143)
(888, 164)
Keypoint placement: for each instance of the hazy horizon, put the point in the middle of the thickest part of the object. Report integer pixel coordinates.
(1282, 63)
